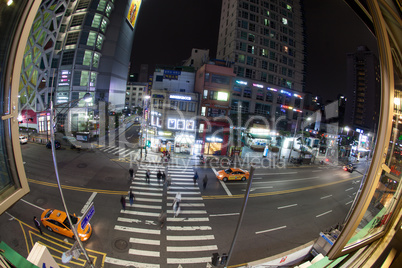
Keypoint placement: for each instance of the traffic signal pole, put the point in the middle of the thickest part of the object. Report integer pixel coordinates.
(243, 209)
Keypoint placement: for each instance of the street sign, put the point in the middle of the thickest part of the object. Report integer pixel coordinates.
(87, 216)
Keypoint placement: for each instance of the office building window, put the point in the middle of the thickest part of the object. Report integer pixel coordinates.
(87, 58)
(262, 109)
(269, 96)
(68, 58)
(173, 105)
(108, 10)
(264, 65)
(241, 59)
(260, 94)
(251, 37)
(96, 21)
(249, 73)
(72, 38)
(103, 25)
(250, 49)
(240, 71)
(77, 20)
(252, 27)
(243, 35)
(95, 62)
(236, 91)
(205, 95)
(102, 5)
(192, 106)
(99, 42)
(182, 106)
(220, 79)
(83, 4)
(91, 39)
(247, 92)
(263, 77)
(250, 61)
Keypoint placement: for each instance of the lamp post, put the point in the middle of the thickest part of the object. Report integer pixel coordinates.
(144, 126)
(87, 97)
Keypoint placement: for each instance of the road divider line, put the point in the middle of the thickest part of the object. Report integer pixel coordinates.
(349, 202)
(273, 174)
(227, 214)
(323, 213)
(270, 230)
(32, 204)
(288, 206)
(348, 189)
(225, 188)
(326, 196)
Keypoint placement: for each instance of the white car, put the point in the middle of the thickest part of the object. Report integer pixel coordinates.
(23, 139)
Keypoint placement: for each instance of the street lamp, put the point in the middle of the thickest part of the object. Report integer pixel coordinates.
(87, 97)
(144, 126)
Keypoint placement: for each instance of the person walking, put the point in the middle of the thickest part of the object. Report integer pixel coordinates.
(205, 181)
(123, 202)
(176, 205)
(169, 181)
(159, 176)
(148, 176)
(195, 178)
(131, 172)
(131, 197)
(37, 224)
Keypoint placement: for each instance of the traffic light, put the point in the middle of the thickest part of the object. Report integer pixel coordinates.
(215, 259)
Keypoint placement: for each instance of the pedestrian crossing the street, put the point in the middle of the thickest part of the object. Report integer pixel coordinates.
(186, 239)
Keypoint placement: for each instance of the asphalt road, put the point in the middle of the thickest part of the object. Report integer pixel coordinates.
(287, 208)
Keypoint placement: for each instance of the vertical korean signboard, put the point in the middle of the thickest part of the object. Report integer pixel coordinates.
(133, 12)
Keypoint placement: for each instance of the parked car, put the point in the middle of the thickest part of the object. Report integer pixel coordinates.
(57, 145)
(349, 167)
(233, 174)
(23, 139)
(56, 221)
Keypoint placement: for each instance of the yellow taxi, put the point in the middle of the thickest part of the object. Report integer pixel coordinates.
(233, 174)
(56, 221)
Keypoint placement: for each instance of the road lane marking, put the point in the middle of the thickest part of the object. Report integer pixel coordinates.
(273, 174)
(143, 206)
(270, 230)
(189, 237)
(125, 263)
(349, 189)
(326, 196)
(147, 253)
(227, 214)
(32, 204)
(316, 171)
(191, 248)
(187, 198)
(202, 260)
(288, 206)
(188, 211)
(323, 213)
(189, 204)
(225, 188)
(188, 228)
(145, 241)
(129, 220)
(349, 202)
(140, 213)
(137, 230)
(186, 219)
(146, 199)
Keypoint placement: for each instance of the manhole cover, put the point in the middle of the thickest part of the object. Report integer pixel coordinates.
(120, 244)
(40, 201)
(82, 165)
(109, 178)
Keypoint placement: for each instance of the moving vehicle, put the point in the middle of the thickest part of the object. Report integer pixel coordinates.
(233, 174)
(349, 167)
(57, 145)
(23, 139)
(56, 221)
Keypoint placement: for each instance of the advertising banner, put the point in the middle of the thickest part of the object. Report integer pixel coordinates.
(133, 12)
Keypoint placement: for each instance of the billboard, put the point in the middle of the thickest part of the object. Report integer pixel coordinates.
(133, 12)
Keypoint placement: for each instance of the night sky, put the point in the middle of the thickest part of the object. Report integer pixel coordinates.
(166, 31)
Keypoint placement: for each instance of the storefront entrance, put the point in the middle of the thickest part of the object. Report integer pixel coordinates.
(212, 148)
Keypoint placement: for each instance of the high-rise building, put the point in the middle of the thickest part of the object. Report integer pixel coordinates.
(74, 48)
(363, 89)
(265, 40)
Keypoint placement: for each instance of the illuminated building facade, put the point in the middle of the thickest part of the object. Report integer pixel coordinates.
(73, 49)
(265, 41)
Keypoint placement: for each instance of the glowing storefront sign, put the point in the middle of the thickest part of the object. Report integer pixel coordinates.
(180, 97)
(165, 133)
(285, 92)
(287, 107)
(241, 82)
(190, 125)
(214, 139)
(133, 12)
(258, 85)
(180, 124)
(272, 89)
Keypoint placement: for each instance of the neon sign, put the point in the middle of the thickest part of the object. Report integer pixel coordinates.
(180, 97)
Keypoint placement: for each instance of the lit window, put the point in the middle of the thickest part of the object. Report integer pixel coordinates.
(96, 21)
(285, 49)
(87, 58)
(99, 42)
(284, 21)
(95, 62)
(91, 39)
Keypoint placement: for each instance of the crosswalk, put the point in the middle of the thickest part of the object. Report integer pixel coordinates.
(185, 240)
(120, 151)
